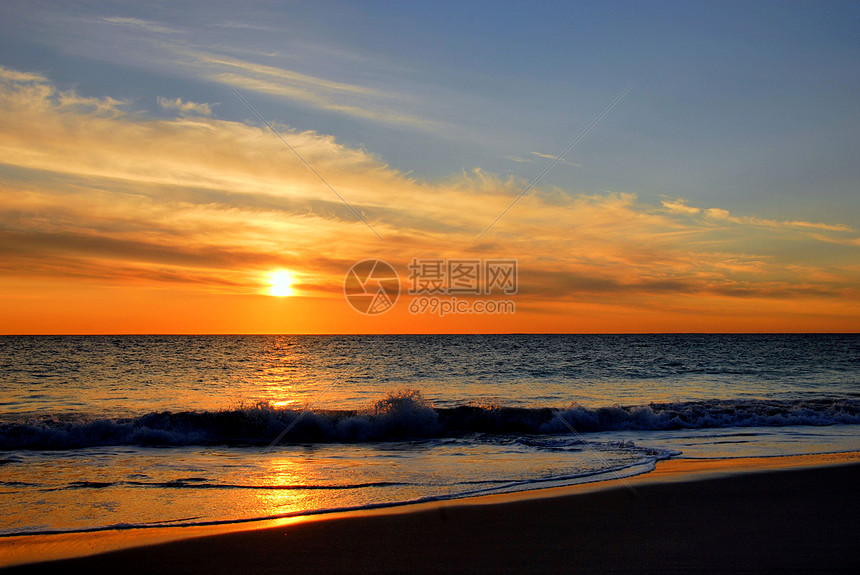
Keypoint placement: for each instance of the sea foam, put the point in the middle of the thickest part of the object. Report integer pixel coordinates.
(407, 415)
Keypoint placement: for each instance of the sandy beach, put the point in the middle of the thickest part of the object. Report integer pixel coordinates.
(798, 514)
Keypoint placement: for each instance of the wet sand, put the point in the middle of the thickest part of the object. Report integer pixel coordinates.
(799, 514)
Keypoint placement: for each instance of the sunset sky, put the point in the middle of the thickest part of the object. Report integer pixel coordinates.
(140, 194)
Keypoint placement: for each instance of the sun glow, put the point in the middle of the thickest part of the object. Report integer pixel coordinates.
(281, 283)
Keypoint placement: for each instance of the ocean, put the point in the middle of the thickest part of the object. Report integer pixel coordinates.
(115, 432)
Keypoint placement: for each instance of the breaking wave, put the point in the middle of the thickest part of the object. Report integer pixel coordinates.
(407, 415)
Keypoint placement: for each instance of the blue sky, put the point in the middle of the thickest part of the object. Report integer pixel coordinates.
(729, 167)
(750, 106)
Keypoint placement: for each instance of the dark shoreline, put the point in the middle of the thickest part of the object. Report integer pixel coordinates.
(797, 519)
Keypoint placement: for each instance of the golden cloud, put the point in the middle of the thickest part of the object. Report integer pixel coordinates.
(93, 190)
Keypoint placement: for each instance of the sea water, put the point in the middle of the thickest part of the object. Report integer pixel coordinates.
(108, 432)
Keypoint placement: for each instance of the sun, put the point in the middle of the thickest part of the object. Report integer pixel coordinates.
(281, 283)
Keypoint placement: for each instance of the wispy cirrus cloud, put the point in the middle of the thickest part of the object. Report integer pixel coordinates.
(185, 107)
(224, 65)
(553, 157)
(678, 206)
(140, 24)
(351, 100)
(301, 72)
(8, 75)
(278, 75)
